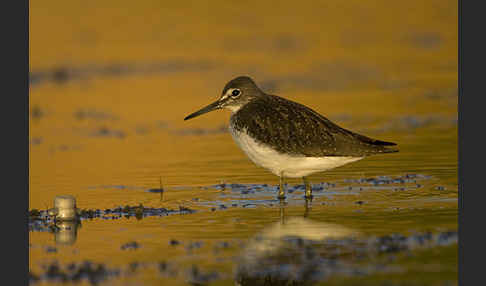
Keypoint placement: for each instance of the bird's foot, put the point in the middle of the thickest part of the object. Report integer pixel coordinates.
(308, 197)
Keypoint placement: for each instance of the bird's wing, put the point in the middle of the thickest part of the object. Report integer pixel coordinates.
(293, 128)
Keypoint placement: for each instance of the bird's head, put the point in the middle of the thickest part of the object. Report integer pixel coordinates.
(236, 94)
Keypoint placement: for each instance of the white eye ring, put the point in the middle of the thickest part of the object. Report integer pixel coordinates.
(235, 92)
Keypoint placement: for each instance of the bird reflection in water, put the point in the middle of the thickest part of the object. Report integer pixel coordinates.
(286, 252)
(283, 204)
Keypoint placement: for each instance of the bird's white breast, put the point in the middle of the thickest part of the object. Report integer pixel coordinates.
(289, 166)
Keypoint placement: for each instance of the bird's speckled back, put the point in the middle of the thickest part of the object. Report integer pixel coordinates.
(293, 128)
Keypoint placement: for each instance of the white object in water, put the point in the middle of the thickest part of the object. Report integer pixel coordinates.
(64, 208)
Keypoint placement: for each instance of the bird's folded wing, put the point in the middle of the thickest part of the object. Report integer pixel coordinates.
(290, 127)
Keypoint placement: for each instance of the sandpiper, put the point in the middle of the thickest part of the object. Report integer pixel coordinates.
(287, 138)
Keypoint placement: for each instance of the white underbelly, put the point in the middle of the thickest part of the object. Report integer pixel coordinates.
(283, 164)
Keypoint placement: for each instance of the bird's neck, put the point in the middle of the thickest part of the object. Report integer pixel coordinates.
(233, 108)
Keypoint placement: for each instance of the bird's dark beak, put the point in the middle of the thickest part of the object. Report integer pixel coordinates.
(213, 106)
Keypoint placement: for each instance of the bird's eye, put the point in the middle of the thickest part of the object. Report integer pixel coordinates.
(235, 92)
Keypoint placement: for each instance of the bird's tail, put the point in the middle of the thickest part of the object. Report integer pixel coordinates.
(382, 143)
(378, 146)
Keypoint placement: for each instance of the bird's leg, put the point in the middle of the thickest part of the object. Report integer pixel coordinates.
(281, 191)
(308, 189)
(308, 206)
(282, 211)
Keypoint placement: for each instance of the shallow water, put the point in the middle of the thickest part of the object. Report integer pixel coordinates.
(106, 126)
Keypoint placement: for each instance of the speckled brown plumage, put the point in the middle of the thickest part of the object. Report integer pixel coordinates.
(293, 128)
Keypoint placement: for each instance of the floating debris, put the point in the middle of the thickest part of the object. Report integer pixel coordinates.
(174, 242)
(107, 132)
(130, 246)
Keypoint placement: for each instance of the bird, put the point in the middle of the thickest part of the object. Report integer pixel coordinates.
(287, 138)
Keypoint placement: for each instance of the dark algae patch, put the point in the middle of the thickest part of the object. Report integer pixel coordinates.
(288, 260)
(297, 261)
(100, 273)
(108, 132)
(197, 277)
(39, 220)
(93, 273)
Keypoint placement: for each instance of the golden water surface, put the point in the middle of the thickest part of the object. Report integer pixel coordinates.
(111, 82)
